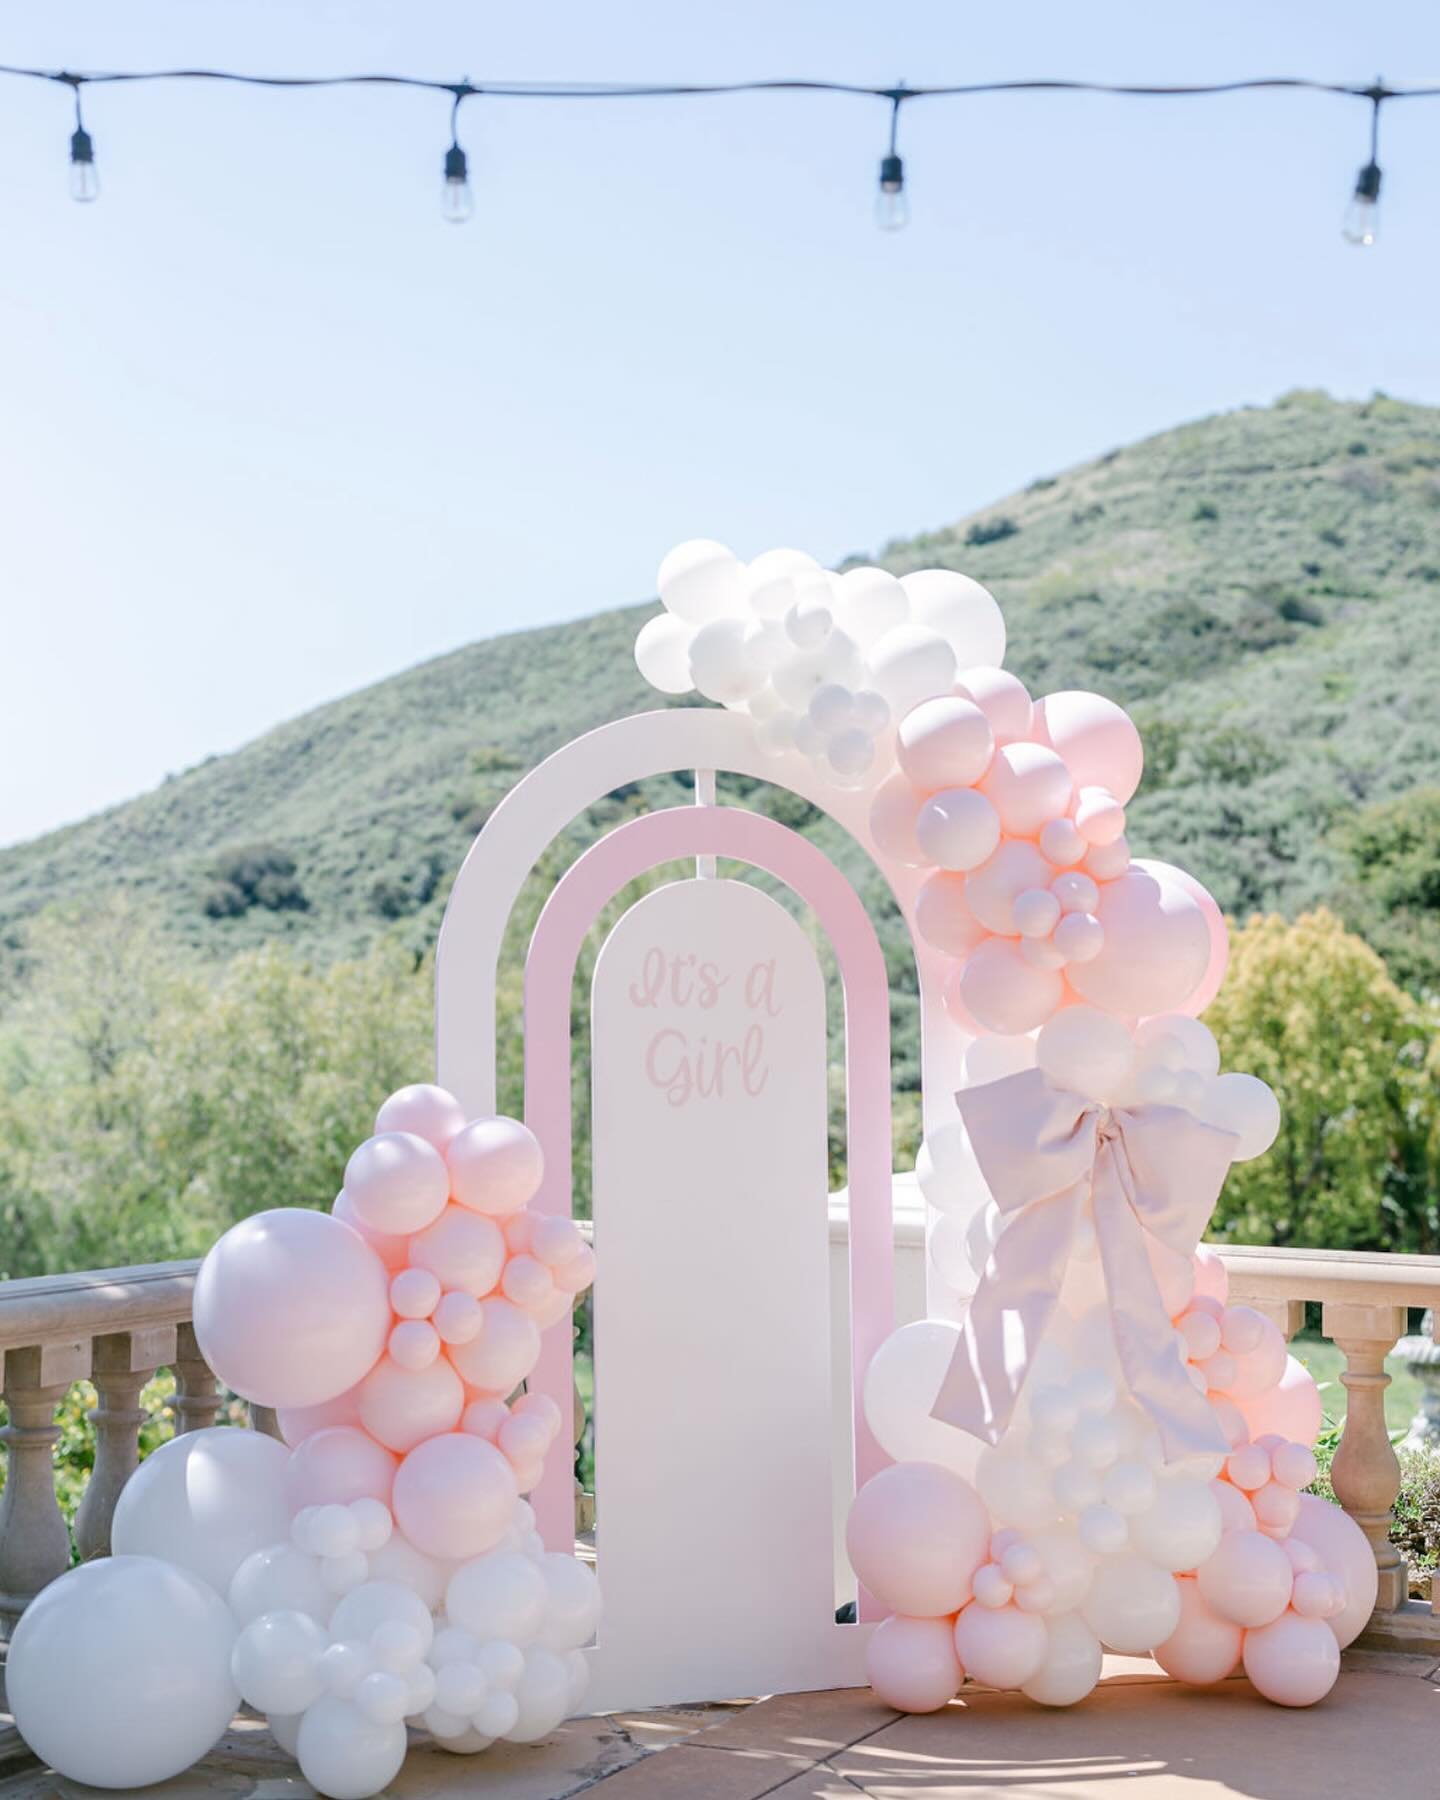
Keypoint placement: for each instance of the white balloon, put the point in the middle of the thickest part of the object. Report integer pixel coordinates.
(1072, 1663)
(868, 603)
(1183, 1526)
(1017, 1489)
(542, 1699)
(376, 1603)
(1132, 1606)
(346, 1755)
(720, 664)
(1000, 1645)
(276, 1662)
(572, 1604)
(1180, 1041)
(901, 1384)
(285, 1729)
(279, 1578)
(205, 1501)
(499, 1595)
(397, 1560)
(950, 1252)
(1244, 1105)
(662, 653)
(1067, 1565)
(947, 1172)
(909, 664)
(1086, 1051)
(119, 1672)
(701, 580)
(991, 1058)
(963, 612)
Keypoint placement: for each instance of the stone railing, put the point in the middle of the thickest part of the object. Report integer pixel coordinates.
(115, 1328)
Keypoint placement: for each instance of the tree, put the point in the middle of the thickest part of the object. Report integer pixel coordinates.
(1310, 1008)
(1393, 896)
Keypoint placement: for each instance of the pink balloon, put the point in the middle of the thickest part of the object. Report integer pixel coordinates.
(992, 890)
(1210, 1277)
(463, 1250)
(397, 1183)
(1204, 1647)
(577, 1273)
(527, 1282)
(390, 1248)
(505, 1352)
(1291, 1409)
(1345, 1551)
(554, 1240)
(1276, 1509)
(424, 1109)
(1097, 738)
(337, 1466)
(943, 916)
(1236, 1512)
(401, 1407)
(912, 1665)
(1003, 993)
(1247, 1580)
(291, 1308)
(1210, 981)
(915, 1536)
(1028, 785)
(1156, 949)
(454, 1496)
(892, 821)
(1000, 1645)
(1292, 1661)
(1002, 697)
(1260, 1370)
(495, 1166)
(299, 1422)
(946, 742)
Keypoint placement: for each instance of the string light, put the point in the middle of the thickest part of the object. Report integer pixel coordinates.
(1361, 224)
(892, 205)
(892, 202)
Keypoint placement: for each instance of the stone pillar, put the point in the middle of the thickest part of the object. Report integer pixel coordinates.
(34, 1540)
(123, 1361)
(1366, 1471)
(197, 1393)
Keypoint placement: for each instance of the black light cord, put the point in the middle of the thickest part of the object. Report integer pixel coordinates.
(892, 205)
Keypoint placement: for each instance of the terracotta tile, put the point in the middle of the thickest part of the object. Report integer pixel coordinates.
(823, 1782)
(696, 1772)
(807, 1725)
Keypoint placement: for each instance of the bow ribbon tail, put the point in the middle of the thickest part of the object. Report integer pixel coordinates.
(1144, 1338)
(1008, 1316)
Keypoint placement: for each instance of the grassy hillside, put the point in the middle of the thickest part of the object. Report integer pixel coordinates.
(1259, 588)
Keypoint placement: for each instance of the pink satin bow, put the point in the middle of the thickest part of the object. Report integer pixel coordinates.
(1144, 1169)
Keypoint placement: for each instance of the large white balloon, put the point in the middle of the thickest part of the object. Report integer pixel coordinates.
(662, 653)
(1244, 1105)
(276, 1662)
(1071, 1666)
(279, 1578)
(1182, 1528)
(572, 1606)
(346, 1755)
(900, 1388)
(1085, 1050)
(119, 1672)
(909, 664)
(1132, 1606)
(948, 1173)
(206, 1501)
(702, 580)
(963, 612)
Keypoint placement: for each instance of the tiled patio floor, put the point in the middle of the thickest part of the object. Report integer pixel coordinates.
(1377, 1737)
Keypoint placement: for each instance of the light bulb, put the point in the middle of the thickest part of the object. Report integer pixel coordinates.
(892, 205)
(457, 198)
(1361, 224)
(84, 177)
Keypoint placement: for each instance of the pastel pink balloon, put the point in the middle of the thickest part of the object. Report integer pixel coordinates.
(463, 1250)
(1263, 1368)
(1000, 1645)
(484, 1418)
(892, 821)
(397, 1183)
(576, 1274)
(1028, 785)
(495, 1166)
(1294, 1465)
(534, 1405)
(1292, 1409)
(1204, 1647)
(1247, 1580)
(946, 742)
(1276, 1509)
(553, 1310)
(1099, 816)
(912, 1665)
(1210, 1276)
(1292, 1661)
(299, 1422)
(527, 1282)
(1344, 1551)
(1219, 933)
(454, 1496)
(459, 1317)
(1004, 993)
(400, 1407)
(1156, 949)
(943, 917)
(425, 1110)
(390, 1247)
(1236, 1512)
(957, 828)
(992, 890)
(915, 1537)
(414, 1344)
(505, 1352)
(334, 1467)
(1002, 697)
(1097, 738)
(291, 1307)
(555, 1240)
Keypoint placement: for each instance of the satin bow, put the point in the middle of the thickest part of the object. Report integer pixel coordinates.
(1044, 1153)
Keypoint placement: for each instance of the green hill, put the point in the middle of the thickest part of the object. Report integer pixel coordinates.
(1258, 588)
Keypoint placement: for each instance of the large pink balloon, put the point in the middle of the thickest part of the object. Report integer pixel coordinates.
(1345, 1551)
(1097, 738)
(1156, 950)
(1247, 1580)
(1292, 1410)
(1219, 931)
(454, 1496)
(337, 1466)
(1203, 1647)
(401, 1407)
(1003, 993)
(291, 1308)
(505, 1352)
(299, 1422)
(1292, 1661)
(915, 1536)
(912, 1663)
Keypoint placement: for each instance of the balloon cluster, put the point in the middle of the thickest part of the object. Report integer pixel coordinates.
(1019, 1565)
(823, 663)
(379, 1566)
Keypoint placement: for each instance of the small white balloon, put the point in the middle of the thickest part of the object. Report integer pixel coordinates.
(662, 653)
(719, 663)
(276, 1662)
(1072, 1663)
(948, 1175)
(1181, 1042)
(868, 603)
(1245, 1106)
(909, 664)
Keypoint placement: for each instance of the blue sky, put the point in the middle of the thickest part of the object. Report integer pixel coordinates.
(273, 430)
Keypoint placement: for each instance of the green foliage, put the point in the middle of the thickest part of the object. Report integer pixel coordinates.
(260, 876)
(991, 531)
(1393, 895)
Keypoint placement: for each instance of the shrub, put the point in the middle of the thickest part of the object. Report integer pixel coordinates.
(259, 875)
(1205, 512)
(991, 531)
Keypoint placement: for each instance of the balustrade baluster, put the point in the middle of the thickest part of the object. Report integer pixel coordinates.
(197, 1393)
(1366, 1471)
(122, 1362)
(34, 1541)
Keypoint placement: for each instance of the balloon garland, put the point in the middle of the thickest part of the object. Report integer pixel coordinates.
(380, 1565)
(1131, 1475)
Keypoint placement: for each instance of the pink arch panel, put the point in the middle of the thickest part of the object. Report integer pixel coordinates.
(588, 886)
